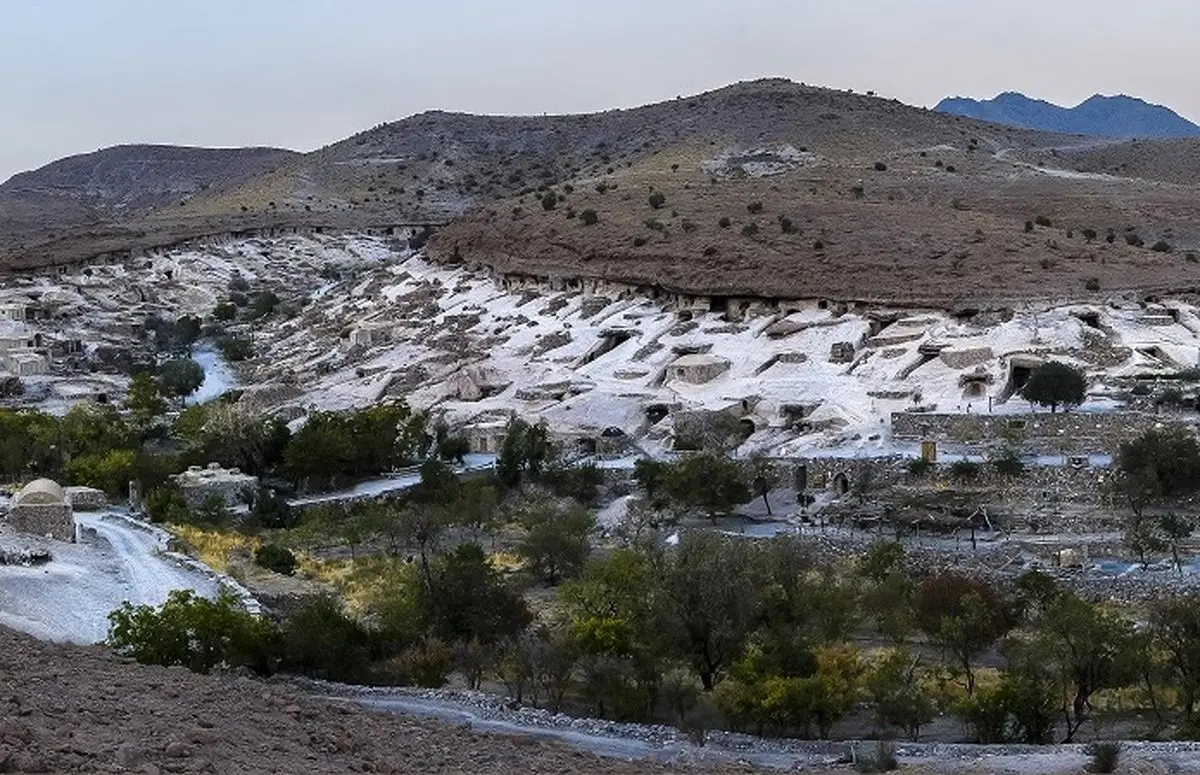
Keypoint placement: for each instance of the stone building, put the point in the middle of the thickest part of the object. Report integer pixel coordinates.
(27, 364)
(697, 368)
(41, 508)
(198, 484)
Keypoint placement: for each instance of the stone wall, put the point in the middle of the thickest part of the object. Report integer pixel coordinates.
(41, 519)
(1041, 433)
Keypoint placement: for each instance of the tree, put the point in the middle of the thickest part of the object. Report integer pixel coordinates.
(1175, 626)
(649, 474)
(321, 642)
(710, 588)
(1143, 538)
(468, 599)
(1053, 384)
(1160, 463)
(145, 402)
(1091, 650)
(899, 699)
(963, 616)
(180, 377)
(1175, 529)
(235, 348)
(109, 471)
(454, 448)
(589, 217)
(556, 540)
(523, 452)
(711, 483)
(549, 201)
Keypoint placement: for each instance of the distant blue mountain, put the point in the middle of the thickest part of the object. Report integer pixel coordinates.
(1098, 116)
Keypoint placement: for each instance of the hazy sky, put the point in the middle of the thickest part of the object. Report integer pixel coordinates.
(82, 74)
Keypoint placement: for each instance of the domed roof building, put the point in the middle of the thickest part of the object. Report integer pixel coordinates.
(41, 508)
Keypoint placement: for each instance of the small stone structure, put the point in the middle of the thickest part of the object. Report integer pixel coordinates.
(841, 352)
(198, 484)
(86, 498)
(41, 508)
(697, 369)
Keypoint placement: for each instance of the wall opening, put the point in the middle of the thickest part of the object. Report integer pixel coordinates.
(841, 484)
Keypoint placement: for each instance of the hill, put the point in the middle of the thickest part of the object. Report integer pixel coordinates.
(1098, 116)
(123, 180)
(861, 198)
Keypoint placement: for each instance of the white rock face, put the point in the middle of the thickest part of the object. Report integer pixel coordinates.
(457, 342)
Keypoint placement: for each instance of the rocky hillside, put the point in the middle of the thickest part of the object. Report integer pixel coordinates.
(118, 182)
(1097, 116)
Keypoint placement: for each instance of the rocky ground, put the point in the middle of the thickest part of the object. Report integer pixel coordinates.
(77, 709)
(80, 709)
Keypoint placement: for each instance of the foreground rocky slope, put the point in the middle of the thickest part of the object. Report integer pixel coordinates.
(75, 709)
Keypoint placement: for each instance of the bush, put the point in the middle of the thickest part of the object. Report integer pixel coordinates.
(786, 226)
(750, 229)
(320, 641)
(1162, 246)
(1008, 463)
(639, 241)
(1106, 755)
(1089, 234)
(275, 558)
(657, 200)
(950, 168)
(964, 469)
(754, 207)
(1133, 240)
(427, 665)
(1092, 284)
(880, 167)
(589, 217)
(919, 466)
(193, 632)
(883, 760)
(235, 348)
(549, 201)
(1042, 220)
(818, 245)
(1028, 226)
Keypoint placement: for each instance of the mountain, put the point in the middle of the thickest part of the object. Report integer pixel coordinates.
(1098, 116)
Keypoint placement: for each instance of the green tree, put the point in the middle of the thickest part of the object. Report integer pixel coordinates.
(321, 642)
(1160, 463)
(1055, 384)
(109, 471)
(180, 377)
(145, 402)
(1090, 648)
(710, 588)
(900, 701)
(1175, 529)
(524, 452)
(468, 599)
(1175, 626)
(707, 482)
(557, 538)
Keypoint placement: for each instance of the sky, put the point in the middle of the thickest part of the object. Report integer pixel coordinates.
(79, 75)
